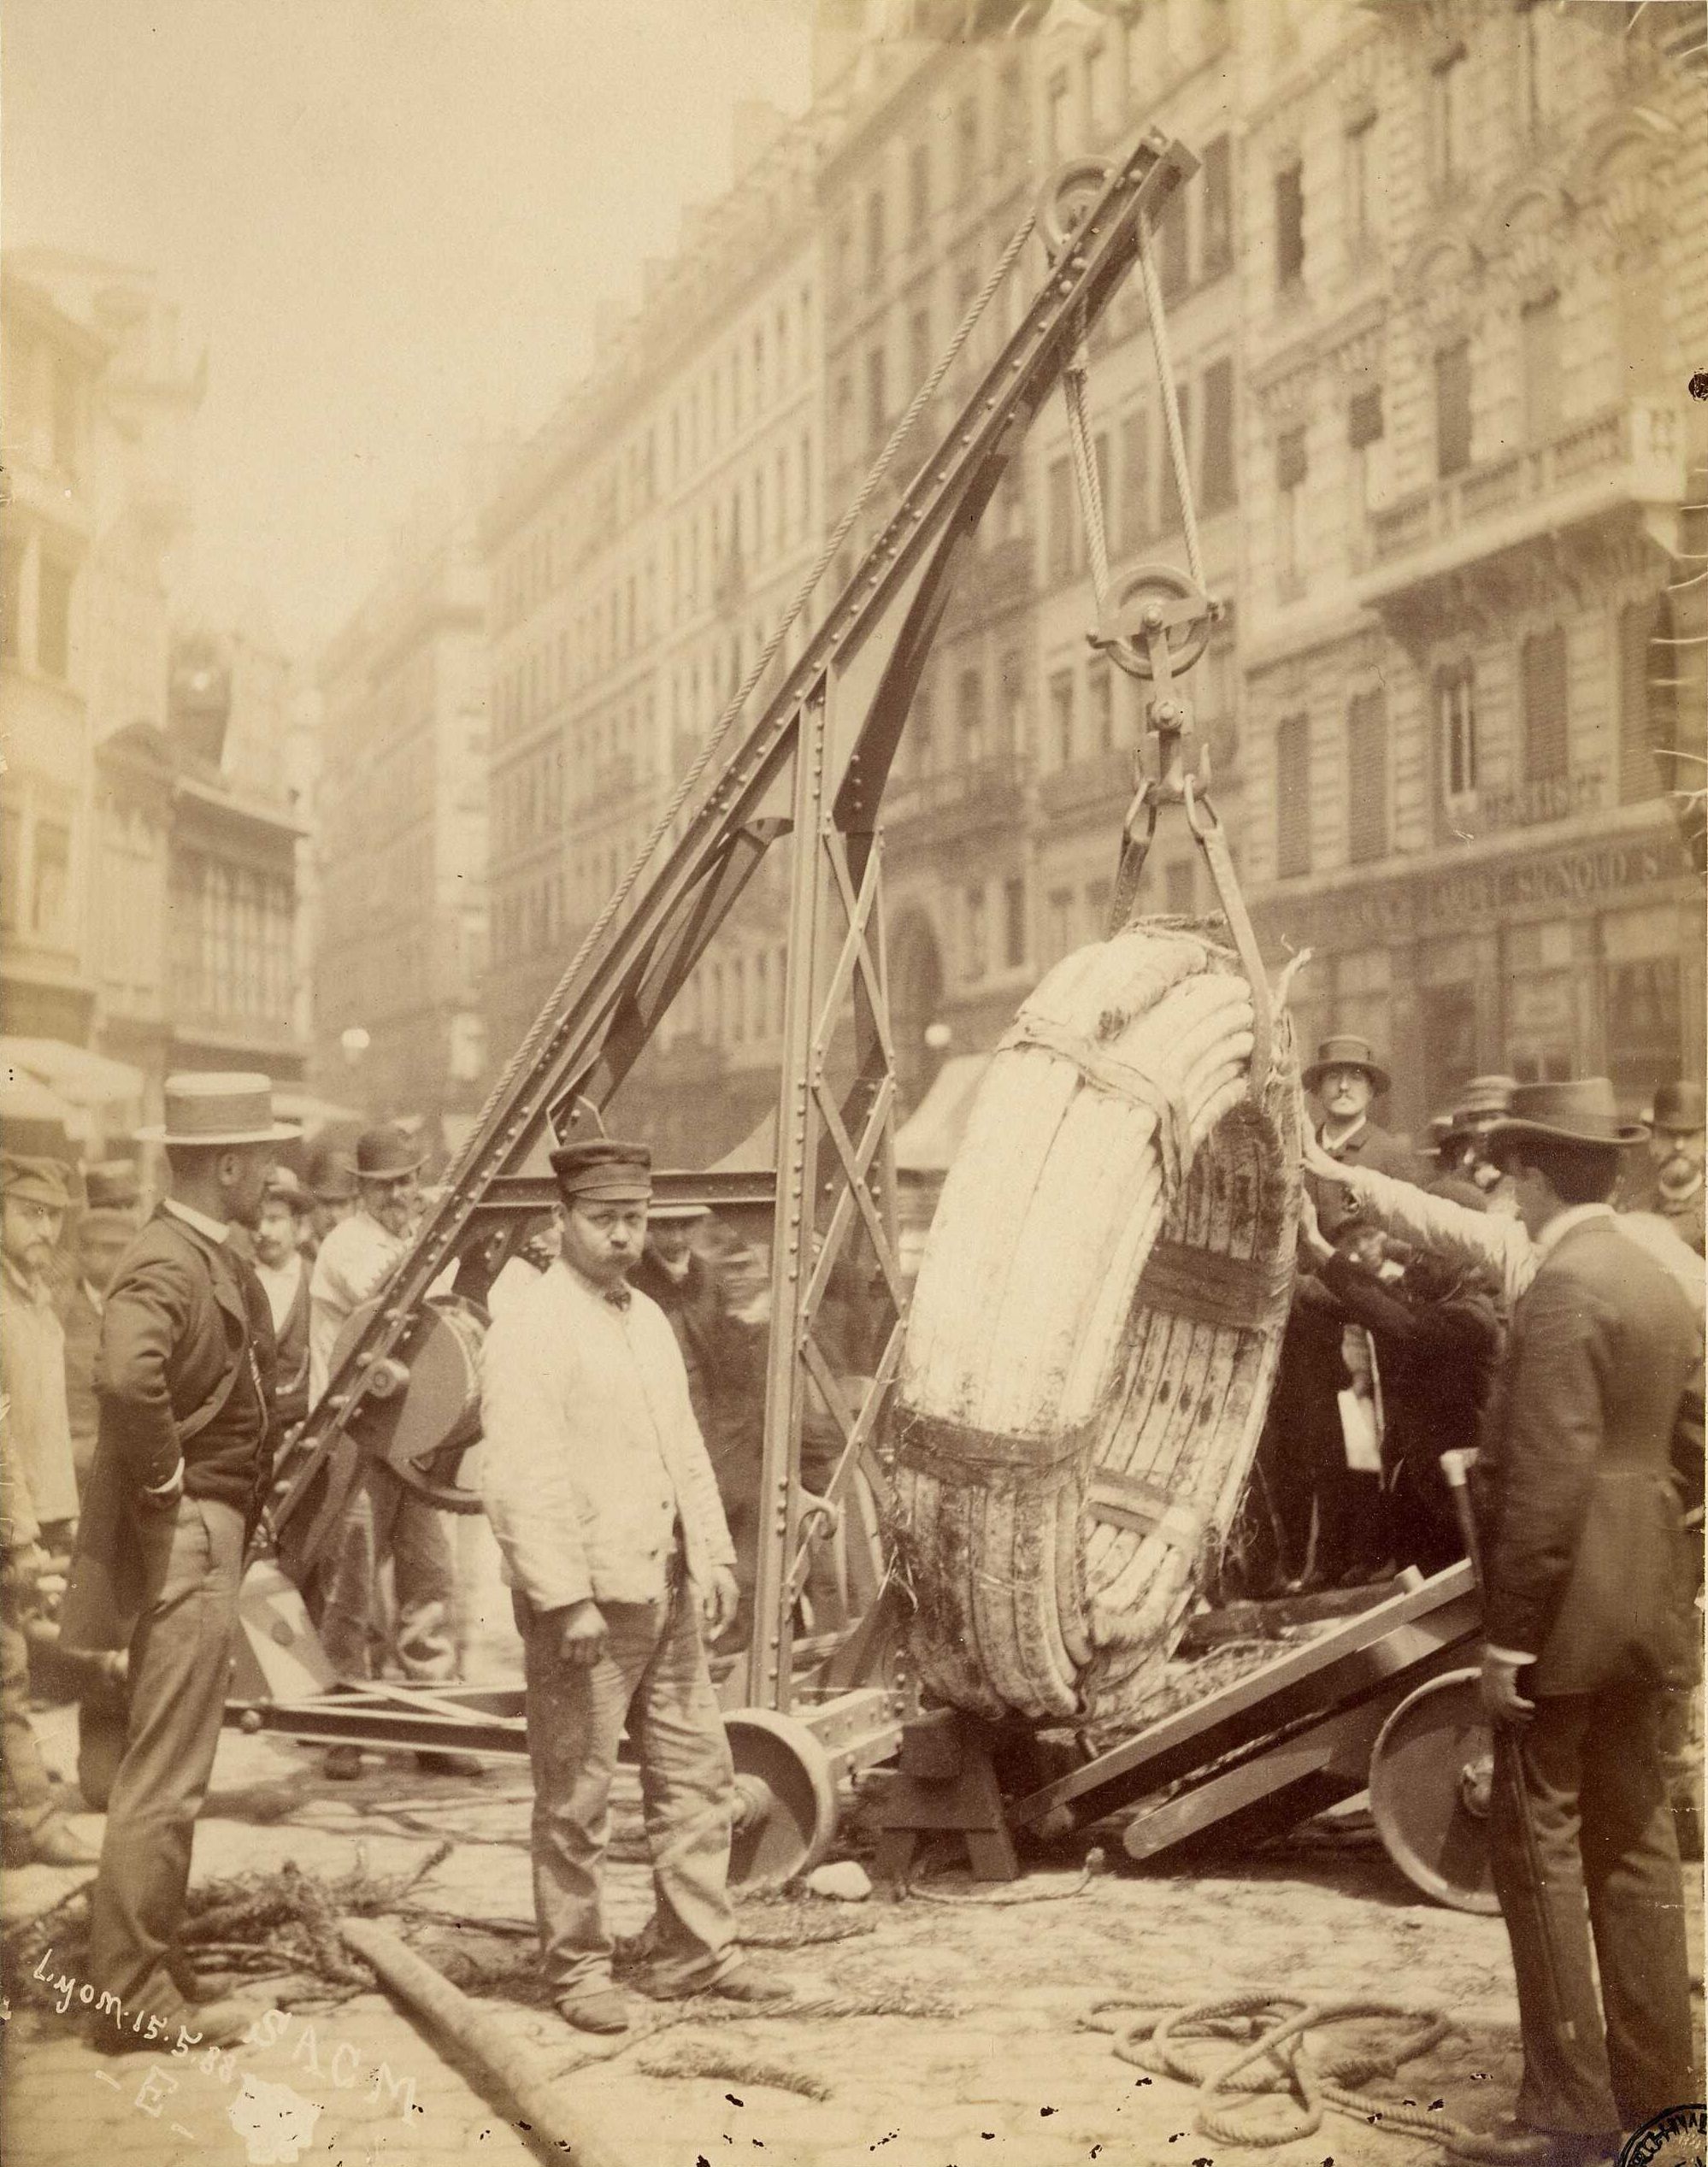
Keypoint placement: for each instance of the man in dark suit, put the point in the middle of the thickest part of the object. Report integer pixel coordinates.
(1347, 1080)
(181, 1472)
(1587, 1595)
(103, 1234)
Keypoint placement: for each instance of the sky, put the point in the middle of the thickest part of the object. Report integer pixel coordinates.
(390, 221)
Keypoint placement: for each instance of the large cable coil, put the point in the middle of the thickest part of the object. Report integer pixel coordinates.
(1095, 1329)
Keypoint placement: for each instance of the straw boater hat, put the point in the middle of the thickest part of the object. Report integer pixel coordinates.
(1345, 1050)
(604, 1171)
(384, 1153)
(1584, 1112)
(1680, 1108)
(218, 1108)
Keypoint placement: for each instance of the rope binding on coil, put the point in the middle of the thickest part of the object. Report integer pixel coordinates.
(1156, 622)
(1277, 2058)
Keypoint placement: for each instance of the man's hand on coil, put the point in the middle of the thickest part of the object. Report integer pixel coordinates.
(581, 1633)
(1502, 1702)
(720, 1599)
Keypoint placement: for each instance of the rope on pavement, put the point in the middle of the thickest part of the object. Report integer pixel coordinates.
(1279, 2061)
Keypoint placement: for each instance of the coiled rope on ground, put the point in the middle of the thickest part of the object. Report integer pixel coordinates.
(1278, 2060)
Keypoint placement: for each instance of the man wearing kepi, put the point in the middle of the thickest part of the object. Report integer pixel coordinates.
(1587, 1617)
(181, 1469)
(606, 1511)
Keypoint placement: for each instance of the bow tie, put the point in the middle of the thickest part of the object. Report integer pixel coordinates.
(619, 1297)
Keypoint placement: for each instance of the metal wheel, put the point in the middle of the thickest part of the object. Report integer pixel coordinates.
(1067, 195)
(1431, 1774)
(1182, 610)
(785, 1797)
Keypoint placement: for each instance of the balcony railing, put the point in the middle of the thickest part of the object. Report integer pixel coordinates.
(950, 801)
(1643, 441)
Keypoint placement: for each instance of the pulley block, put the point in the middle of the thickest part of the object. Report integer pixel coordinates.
(1066, 196)
(1156, 602)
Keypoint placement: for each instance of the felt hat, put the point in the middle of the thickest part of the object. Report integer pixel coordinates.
(213, 1108)
(36, 1181)
(384, 1153)
(1584, 1112)
(332, 1179)
(1484, 1099)
(602, 1170)
(115, 1185)
(1679, 1109)
(283, 1185)
(1345, 1050)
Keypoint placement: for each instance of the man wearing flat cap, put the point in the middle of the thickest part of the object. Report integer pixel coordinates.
(182, 1471)
(602, 1499)
(382, 1520)
(37, 1493)
(1595, 1425)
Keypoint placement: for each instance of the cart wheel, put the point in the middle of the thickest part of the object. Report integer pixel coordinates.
(1431, 1773)
(785, 1797)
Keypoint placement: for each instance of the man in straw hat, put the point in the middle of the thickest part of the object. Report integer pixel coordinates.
(604, 1505)
(180, 1473)
(382, 1520)
(38, 1489)
(1586, 1613)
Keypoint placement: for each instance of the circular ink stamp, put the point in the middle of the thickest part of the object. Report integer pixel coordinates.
(1678, 2137)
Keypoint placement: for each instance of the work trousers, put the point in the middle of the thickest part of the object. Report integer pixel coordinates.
(27, 1803)
(382, 1520)
(652, 1678)
(179, 1669)
(1598, 1862)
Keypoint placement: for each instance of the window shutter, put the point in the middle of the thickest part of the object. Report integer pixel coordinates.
(1364, 418)
(1217, 477)
(1639, 775)
(1543, 675)
(1367, 778)
(1452, 409)
(1292, 796)
(1289, 225)
(1290, 461)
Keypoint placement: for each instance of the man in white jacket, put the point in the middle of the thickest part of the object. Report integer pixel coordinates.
(605, 1508)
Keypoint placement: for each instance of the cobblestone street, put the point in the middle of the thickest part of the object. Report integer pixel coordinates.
(983, 2054)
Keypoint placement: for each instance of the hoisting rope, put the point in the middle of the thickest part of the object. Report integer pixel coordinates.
(1278, 2060)
(528, 1052)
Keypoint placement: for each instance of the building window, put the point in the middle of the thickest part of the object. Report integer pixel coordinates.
(1360, 192)
(978, 933)
(1366, 778)
(1014, 923)
(919, 347)
(1061, 717)
(1453, 409)
(1292, 796)
(969, 700)
(1135, 527)
(1538, 325)
(1061, 559)
(1100, 694)
(1364, 428)
(1542, 678)
(1217, 249)
(967, 145)
(50, 883)
(1289, 195)
(1218, 465)
(1290, 473)
(919, 729)
(874, 232)
(1644, 721)
(1456, 725)
(53, 618)
(877, 396)
(1447, 118)
(1173, 267)
(919, 187)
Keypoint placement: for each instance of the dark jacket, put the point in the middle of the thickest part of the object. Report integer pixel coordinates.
(1367, 1146)
(185, 1371)
(1585, 1563)
(290, 1370)
(82, 1322)
(716, 1346)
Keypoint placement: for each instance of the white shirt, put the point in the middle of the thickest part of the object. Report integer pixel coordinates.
(281, 1283)
(592, 1453)
(353, 1260)
(215, 1229)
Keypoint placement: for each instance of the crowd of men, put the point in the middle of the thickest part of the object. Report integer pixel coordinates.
(1484, 1291)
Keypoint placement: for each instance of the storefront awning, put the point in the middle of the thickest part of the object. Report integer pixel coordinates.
(309, 1112)
(77, 1075)
(33, 1119)
(930, 1138)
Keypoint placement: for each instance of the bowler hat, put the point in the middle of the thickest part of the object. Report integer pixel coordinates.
(1583, 1112)
(384, 1153)
(213, 1107)
(283, 1185)
(332, 1179)
(601, 1170)
(1345, 1050)
(1679, 1109)
(36, 1181)
(113, 1186)
(1484, 1099)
